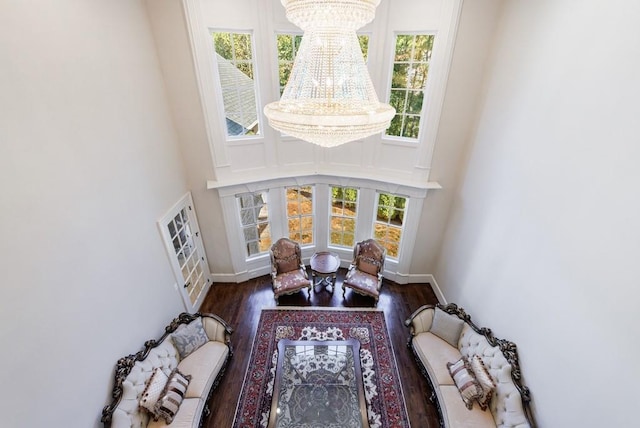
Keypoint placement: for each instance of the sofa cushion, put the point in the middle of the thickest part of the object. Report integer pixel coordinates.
(203, 365)
(435, 353)
(456, 413)
(187, 417)
(484, 379)
(189, 337)
(172, 395)
(465, 380)
(446, 326)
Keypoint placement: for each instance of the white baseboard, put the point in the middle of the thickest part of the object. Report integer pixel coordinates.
(400, 279)
(437, 290)
(227, 277)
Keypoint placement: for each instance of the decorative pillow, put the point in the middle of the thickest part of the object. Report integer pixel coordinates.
(447, 327)
(368, 265)
(288, 264)
(187, 338)
(466, 382)
(152, 391)
(484, 379)
(172, 396)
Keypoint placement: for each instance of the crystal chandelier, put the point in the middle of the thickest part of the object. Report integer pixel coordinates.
(329, 99)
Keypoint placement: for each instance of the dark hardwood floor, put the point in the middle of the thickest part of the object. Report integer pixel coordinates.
(240, 305)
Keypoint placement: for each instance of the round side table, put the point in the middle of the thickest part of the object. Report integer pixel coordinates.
(324, 265)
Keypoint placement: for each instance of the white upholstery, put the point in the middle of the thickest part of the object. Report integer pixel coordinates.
(506, 409)
(204, 365)
(456, 413)
(187, 417)
(436, 362)
(214, 329)
(506, 404)
(128, 413)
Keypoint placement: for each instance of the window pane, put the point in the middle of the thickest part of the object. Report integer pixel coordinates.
(414, 101)
(344, 202)
(410, 70)
(388, 226)
(404, 44)
(242, 45)
(254, 217)
(397, 99)
(400, 76)
(411, 126)
(234, 57)
(299, 202)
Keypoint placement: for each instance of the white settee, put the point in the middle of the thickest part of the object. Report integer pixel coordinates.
(509, 405)
(205, 366)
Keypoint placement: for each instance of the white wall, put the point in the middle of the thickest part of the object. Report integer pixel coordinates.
(478, 21)
(544, 239)
(88, 163)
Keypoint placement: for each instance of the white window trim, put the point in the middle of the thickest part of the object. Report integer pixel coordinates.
(246, 268)
(237, 139)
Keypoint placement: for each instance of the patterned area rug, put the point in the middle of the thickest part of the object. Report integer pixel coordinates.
(383, 392)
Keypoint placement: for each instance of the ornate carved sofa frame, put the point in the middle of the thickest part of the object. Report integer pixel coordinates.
(509, 406)
(206, 365)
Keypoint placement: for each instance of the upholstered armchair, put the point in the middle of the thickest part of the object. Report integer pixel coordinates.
(288, 273)
(365, 272)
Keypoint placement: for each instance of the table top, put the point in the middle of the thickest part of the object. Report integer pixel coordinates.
(318, 383)
(325, 262)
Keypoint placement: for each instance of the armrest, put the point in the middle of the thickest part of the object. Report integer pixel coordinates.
(420, 321)
(216, 328)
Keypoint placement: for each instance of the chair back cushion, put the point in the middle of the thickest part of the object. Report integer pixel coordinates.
(286, 255)
(369, 255)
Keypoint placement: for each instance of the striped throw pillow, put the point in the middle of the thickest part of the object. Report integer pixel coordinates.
(466, 382)
(172, 396)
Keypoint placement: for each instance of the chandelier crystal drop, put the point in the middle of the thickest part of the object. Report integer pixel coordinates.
(329, 99)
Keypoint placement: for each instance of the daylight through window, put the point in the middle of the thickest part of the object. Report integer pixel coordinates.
(389, 222)
(408, 80)
(254, 217)
(234, 56)
(300, 214)
(344, 204)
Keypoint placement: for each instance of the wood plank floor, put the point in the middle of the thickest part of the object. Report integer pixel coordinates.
(240, 305)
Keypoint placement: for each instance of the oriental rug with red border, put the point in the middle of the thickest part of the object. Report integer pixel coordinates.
(383, 391)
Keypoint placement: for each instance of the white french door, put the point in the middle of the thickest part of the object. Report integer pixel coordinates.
(183, 242)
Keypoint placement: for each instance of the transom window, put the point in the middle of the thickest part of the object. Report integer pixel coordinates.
(408, 80)
(300, 214)
(234, 56)
(389, 222)
(344, 205)
(254, 217)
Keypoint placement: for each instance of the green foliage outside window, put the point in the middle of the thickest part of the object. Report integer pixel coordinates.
(343, 216)
(408, 81)
(388, 225)
(235, 47)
